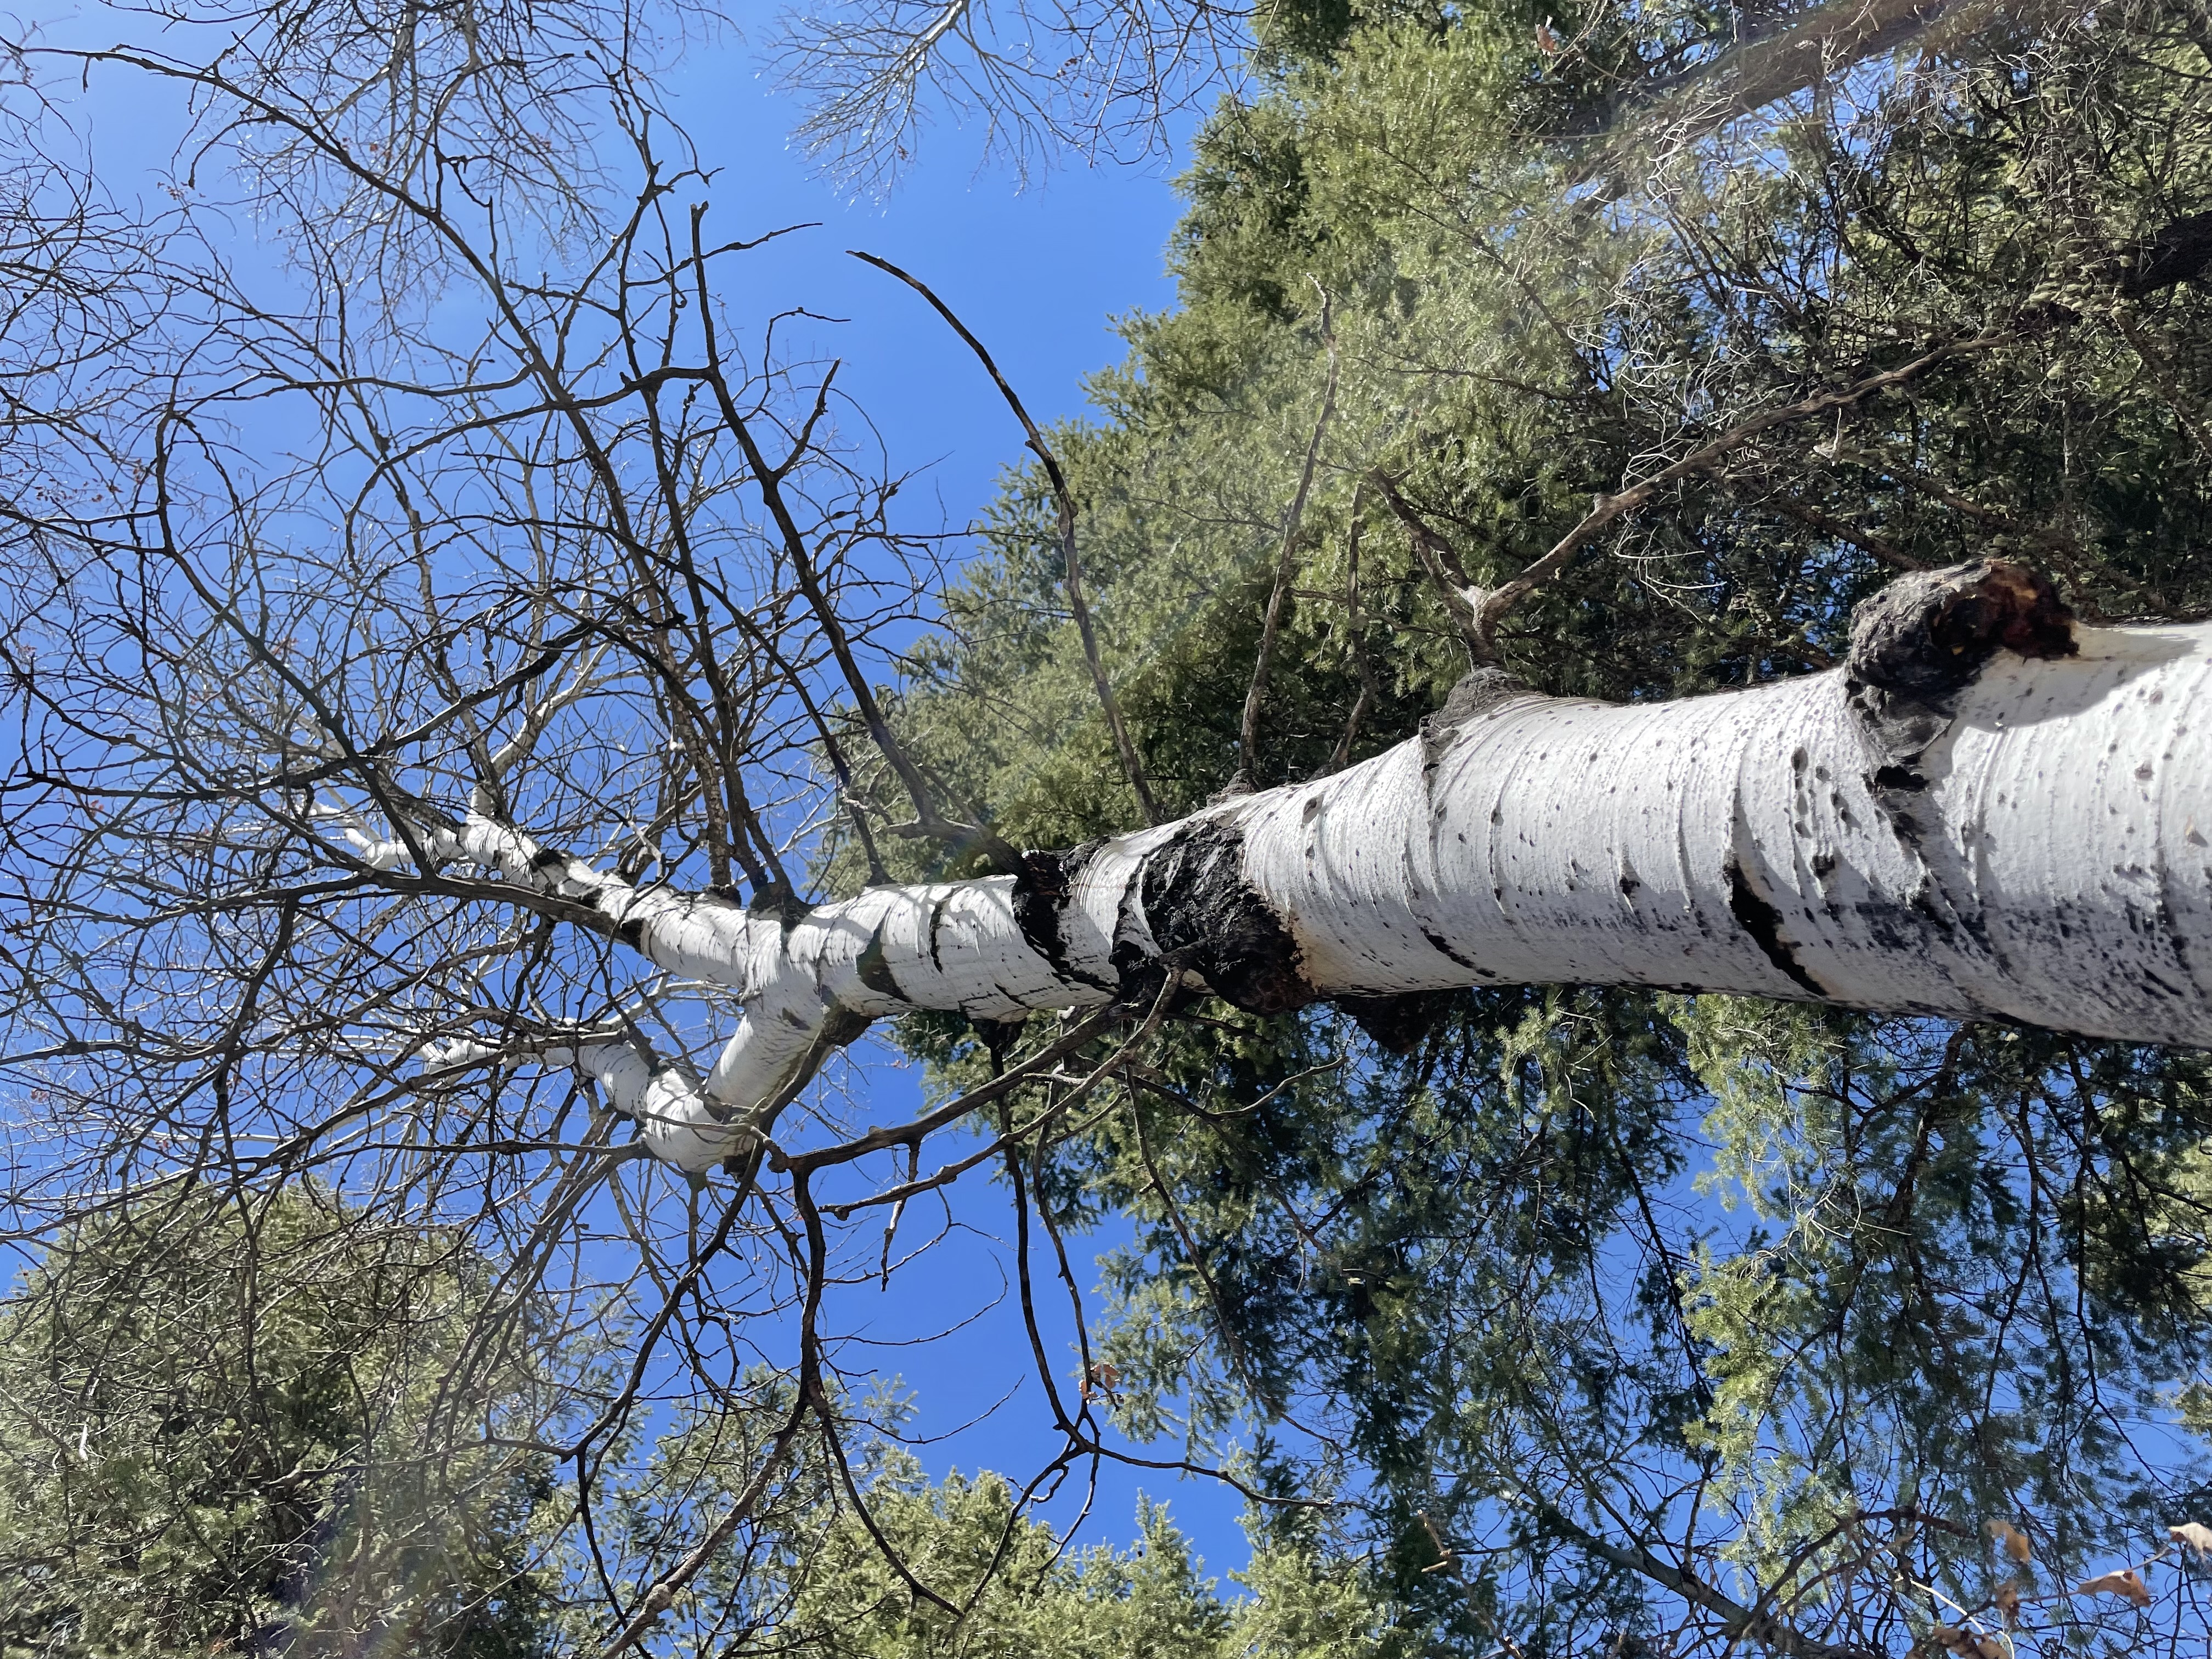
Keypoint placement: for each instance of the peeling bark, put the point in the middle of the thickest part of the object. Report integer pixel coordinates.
(1988, 813)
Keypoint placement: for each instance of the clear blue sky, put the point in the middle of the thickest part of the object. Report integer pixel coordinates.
(1037, 272)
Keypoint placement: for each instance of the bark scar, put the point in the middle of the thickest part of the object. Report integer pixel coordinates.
(875, 966)
(1200, 910)
(1041, 891)
(1764, 923)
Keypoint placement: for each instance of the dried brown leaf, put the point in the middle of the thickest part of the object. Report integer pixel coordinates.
(2195, 1536)
(2008, 1601)
(2127, 1581)
(2014, 1540)
(1968, 1644)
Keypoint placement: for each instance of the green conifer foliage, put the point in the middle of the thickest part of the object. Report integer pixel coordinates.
(1025, 1594)
(220, 1432)
(1571, 1293)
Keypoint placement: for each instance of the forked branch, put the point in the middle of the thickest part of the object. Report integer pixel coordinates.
(1478, 611)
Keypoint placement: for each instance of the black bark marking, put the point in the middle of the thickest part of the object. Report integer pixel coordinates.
(1128, 960)
(1445, 947)
(936, 915)
(786, 906)
(1203, 915)
(1764, 923)
(1042, 889)
(876, 969)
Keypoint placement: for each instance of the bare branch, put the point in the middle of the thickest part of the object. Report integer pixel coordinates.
(1248, 748)
(1064, 502)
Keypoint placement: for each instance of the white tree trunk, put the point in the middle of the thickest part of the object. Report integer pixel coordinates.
(1945, 826)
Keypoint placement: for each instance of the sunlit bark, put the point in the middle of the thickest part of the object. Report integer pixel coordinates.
(1988, 813)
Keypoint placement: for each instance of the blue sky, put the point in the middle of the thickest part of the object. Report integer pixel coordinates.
(1039, 272)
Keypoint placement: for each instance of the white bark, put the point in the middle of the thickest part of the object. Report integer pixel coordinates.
(2039, 851)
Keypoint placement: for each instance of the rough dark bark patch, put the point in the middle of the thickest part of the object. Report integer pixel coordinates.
(1924, 638)
(1041, 890)
(1930, 632)
(1202, 914)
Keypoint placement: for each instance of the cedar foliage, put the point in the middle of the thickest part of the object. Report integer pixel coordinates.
(1550, 1278)
(215, 1436)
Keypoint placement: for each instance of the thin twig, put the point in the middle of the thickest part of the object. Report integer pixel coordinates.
(663, 1594)
(1247, 745)
(1355, 626)
(768, 479)
(1828, 525)
(1478, 611)
(1064, 500)
(1607, 509)
(953, 1111)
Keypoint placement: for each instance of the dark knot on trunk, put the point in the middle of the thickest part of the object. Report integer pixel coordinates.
(1924, 640)
(1927, 636)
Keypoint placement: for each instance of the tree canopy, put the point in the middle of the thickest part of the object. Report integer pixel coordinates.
(217, 1436)
(1585, 1269)
(457, 662)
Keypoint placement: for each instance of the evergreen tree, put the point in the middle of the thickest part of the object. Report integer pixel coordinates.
(220, 1432)
(1624, 1308)
(1022, 1591)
